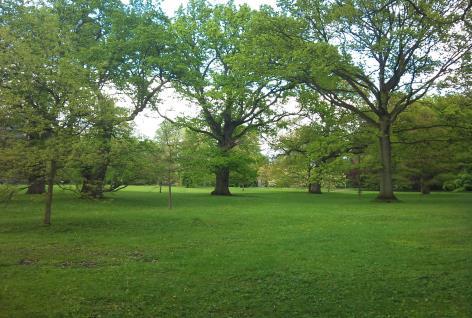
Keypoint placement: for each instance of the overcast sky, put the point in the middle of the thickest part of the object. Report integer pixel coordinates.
(148, 121)
(170, 6)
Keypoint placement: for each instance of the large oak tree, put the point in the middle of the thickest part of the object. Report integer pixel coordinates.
(231, 100)
(391, 53)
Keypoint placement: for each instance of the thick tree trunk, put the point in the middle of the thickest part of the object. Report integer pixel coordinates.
(36, 177)
(36, 180)
(424, 187)
(386, 171)
(94, 176)
(222, 182)
(314, 188)
(94, 181)
(36, 185)
(48, 205)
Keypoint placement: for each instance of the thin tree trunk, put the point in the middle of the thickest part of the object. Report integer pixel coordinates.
(222, 182)
(386, 173)
(160, 186)
(314, 188)
(170, 170)
(48, 206)
(170, 195)
(359, 177)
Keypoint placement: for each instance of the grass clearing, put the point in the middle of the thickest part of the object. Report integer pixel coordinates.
(259, 253)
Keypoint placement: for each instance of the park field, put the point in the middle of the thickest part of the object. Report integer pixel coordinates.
(259, 253)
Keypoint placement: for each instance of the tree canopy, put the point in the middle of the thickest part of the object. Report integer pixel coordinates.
(357, 93)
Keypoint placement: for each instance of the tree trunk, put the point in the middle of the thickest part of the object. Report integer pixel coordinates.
(314, 188)
(222, 182)
(424, 187)
(359, 177)
(170, 195)
(48, 206)
(386, 171)
(94, 176)
(36, 177)
(94, 181)
(36, 185)
(169, 184)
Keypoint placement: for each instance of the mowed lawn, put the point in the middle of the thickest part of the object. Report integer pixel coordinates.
(259, 253)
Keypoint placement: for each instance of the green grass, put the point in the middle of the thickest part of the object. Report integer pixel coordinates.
(260, 253)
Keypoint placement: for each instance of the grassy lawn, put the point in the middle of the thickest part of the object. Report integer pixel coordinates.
(260, 253)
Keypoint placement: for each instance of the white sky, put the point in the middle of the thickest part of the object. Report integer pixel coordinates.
(170, 6)
(148, 121)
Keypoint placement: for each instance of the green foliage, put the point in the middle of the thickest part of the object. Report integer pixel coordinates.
(66, 65)
(200, 157)
(169, 143)
(45, 97)
(317, 152)
(432, 138)
(7, 192)
(464, 182)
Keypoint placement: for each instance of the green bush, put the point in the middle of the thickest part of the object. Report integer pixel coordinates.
(7, 192)
(449, 186)
(464, 182)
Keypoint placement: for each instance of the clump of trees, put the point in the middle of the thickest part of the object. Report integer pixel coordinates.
(371, 94)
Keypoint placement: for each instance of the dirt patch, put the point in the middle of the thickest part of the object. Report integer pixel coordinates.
(27, 261)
